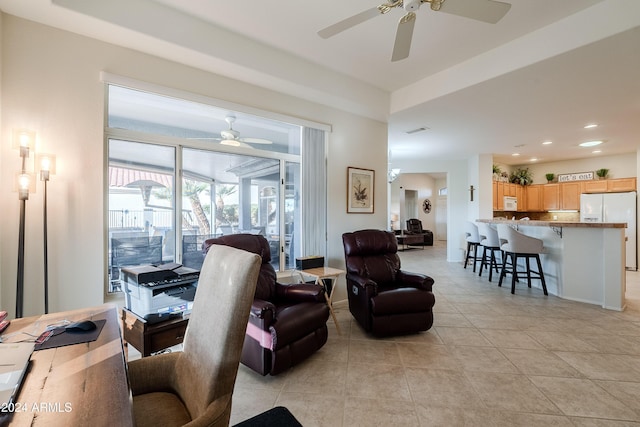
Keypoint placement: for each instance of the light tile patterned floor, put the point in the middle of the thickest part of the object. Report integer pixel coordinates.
(491, 359)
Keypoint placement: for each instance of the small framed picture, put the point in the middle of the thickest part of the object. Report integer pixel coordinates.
(360, 190)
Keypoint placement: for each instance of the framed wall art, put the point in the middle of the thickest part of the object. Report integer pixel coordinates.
(360, 190)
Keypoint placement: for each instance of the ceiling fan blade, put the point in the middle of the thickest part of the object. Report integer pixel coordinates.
(489, 11)
(257, 140)
(403, 37)
(352, 21)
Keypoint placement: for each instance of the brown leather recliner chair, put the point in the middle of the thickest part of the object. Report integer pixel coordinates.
(414, 226)
(287, 322)
(384, 299)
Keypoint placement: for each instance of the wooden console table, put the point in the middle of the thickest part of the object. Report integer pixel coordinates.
(150, 338)
(406, 240)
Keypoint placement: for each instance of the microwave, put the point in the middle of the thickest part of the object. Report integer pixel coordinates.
(510, 203)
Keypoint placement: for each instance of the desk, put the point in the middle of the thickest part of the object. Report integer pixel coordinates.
(77, 385)
(320, 273)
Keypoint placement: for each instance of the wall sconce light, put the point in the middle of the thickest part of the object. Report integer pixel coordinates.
(392, 174)
(47, 166)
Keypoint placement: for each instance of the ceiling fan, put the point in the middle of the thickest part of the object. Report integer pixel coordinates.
(489, 11)
(232, 137)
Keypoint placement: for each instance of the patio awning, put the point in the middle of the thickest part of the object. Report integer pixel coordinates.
(134, 178)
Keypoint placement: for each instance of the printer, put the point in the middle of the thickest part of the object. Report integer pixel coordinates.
(159, 292)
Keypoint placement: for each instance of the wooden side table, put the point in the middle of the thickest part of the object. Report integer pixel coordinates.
(150, 338)
(321, 273)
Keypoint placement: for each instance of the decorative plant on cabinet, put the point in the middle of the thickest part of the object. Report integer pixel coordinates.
(521, 176)
(602, 173)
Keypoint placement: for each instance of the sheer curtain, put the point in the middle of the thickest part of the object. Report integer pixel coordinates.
(314, 192)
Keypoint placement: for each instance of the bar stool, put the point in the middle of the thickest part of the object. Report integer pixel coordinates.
(517, 245)
(490, 245)
(473, 241)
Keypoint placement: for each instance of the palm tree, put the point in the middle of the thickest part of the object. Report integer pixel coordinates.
(223, 191)
(192, 190)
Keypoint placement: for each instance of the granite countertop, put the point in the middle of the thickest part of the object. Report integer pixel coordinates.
(533, 223)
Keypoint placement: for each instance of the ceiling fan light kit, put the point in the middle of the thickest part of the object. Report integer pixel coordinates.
(489, 11)
(232, 137)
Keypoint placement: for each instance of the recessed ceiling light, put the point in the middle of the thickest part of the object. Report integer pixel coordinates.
(515, 154)
(533, 159)
(590, 143)
(547, 143)
(596, 151)
(591, 126)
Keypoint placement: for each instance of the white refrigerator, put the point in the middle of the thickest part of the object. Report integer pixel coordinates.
(613, 207)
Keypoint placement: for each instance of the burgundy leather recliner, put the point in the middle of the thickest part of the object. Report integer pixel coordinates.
(384, 299)
(287, 322)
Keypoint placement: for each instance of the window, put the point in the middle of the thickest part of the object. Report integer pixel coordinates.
(182, 171)
(141, 206)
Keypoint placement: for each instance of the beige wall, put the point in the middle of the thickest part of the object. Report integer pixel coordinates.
(425, 186)
(51, 84)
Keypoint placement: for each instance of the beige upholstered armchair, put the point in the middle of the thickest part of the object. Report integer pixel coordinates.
(194, 387)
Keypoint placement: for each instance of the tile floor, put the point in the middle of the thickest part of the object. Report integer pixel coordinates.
(491, 359)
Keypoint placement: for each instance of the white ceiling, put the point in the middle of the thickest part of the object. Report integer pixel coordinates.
(544, 71)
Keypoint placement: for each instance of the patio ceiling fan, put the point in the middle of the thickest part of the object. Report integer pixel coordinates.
(232, 137)
(489, 11)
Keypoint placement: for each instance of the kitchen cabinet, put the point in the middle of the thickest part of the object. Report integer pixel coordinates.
(500, 194)
(533, 198)
(495, 195)
(510, 189)
(597, 186)
(520, 195)
(550, 197)
(618, 185)
(501, 189)
(563, 196)
(570, 195)
(556, 196)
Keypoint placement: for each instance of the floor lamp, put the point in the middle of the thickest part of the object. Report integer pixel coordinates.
(47, 164)
(25, 141)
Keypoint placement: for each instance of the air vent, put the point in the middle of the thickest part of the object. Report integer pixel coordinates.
(421, 129)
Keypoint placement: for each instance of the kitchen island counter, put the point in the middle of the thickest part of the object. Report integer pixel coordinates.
(584, 261)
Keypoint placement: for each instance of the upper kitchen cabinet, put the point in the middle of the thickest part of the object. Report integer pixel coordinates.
(562, 196)
(621, 185)
(570, 195)
(618, 185)
(534, 198)
(551, 197)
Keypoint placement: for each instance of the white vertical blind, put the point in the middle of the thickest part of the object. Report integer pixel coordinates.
(314, 192)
